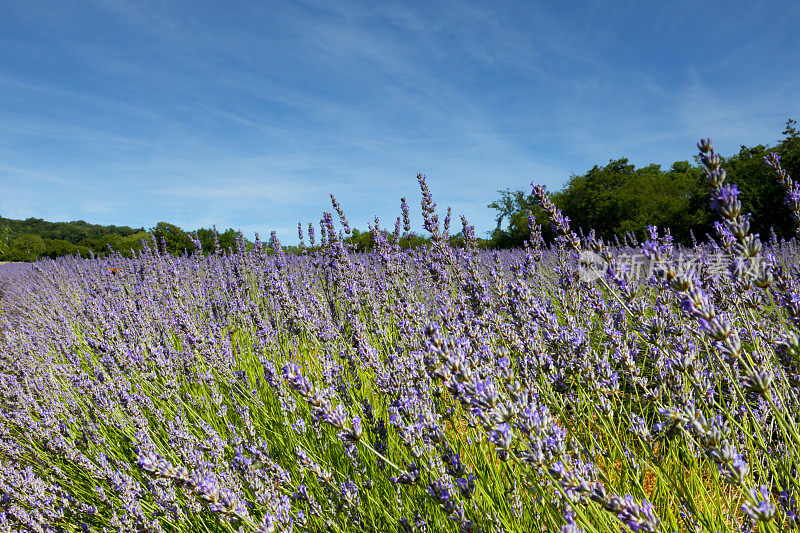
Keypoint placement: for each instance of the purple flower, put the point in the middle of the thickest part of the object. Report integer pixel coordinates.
(409, 477)
(759, 507)
(502, 436)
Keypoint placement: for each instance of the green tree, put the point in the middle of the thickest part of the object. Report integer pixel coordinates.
(513, 207)
(618, 198)
(132, 242)
(176, 240)
(59, 248)
(226, 240)
(363, 240)
(26, 247)
(762, 195)
(4, 233)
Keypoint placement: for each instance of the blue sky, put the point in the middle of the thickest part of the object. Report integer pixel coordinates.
(247, 114)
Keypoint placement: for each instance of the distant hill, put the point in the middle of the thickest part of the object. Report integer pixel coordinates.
(33, 238)
(74, 232)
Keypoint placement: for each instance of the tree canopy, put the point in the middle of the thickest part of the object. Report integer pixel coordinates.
(618, 198)
(614, 199)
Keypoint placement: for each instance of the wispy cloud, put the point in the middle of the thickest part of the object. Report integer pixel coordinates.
(22, 178)
(281, 192)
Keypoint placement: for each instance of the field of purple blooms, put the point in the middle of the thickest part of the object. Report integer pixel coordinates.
(582, 386)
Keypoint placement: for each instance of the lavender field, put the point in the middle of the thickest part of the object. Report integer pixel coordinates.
(582, 386)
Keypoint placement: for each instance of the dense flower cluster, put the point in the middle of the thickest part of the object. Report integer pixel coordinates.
(436, 389)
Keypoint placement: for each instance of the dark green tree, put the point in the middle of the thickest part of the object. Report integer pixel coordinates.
(4, 240)
(132, 243)
(26, 247)
(226, 240)
(762, 195)
(174, 238)
(514, 207)
(59, 248)
(619, 198)
(362, 240)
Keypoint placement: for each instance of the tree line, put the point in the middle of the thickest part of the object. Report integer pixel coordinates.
(617, 199)
(34, 238)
